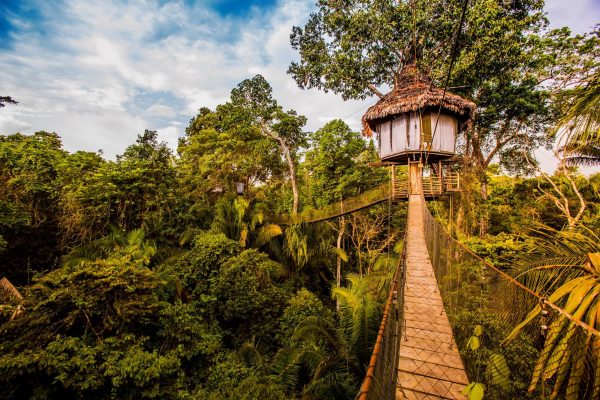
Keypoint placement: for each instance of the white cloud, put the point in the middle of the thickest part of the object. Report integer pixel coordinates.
(84, 80)
(105, 71)
(10, 124)
(161, 110)
(170, 134)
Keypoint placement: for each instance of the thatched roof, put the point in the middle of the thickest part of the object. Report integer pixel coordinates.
(413, 92)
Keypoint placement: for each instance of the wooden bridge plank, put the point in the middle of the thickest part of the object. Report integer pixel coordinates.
(442, 372)
(429, 366)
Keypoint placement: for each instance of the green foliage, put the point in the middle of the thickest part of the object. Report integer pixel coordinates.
(360, 313)
(498, 370)
(209, 251)
(566, 268)
(253, 387)
(579, 125)
(4, 100)
(501, 250)
(474, 391)
(249, 298)
(301, 306)
(336, 165)
(220, 148)
(29, 192)
(133, 192)
(94, 330)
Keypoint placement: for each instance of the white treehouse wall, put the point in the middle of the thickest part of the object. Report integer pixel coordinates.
(399, 135)
(445, 134)
(385, 139)
(414, 132)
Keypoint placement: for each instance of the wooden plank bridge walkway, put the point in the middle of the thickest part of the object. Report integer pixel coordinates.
(429, 365)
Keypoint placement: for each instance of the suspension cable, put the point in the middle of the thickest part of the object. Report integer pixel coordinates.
(452, 60)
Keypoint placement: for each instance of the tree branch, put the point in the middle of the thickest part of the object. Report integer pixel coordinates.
(502, 143)
(374, 90)
(561, 201)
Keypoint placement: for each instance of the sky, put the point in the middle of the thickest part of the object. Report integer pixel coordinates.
(100, 72)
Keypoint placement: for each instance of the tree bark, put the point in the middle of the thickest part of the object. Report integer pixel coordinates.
(374, 90)
(484, 161)
(292, 168)
(460, 215)
(483, 219)
(338, 271)
(266, 131)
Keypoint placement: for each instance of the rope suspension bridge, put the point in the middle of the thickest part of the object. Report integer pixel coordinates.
(397, 190)
(446, 326)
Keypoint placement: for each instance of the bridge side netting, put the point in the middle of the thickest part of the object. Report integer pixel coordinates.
(377, 195)
(382, 372)
(556, 355)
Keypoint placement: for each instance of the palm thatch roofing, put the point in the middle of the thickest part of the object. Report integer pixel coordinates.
(413, 92)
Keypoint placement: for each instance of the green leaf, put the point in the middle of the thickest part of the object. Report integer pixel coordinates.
(474, 391)
(473, 343)
(478, 330)
(468, 388)
(499, 371)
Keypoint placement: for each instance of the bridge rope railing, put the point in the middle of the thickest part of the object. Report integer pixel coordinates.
(382, 372)
(554, 355)
(367, 199)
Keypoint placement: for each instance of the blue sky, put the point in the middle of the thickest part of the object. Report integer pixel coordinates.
(100, 72)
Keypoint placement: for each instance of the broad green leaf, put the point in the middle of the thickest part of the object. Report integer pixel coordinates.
(557, 355)
(478, 330)
(499, 371)
(576, 374)
(473, 343)
(468, 388)
(398, 247)
(474, 391)
(563, 373)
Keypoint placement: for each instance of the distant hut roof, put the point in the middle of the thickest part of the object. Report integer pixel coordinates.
(413, 92)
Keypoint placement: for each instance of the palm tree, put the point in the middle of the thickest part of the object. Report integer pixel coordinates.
(580, 125)
(240, 220)
(360, 313)
(133, 242)
(320, 364)
(568, 275)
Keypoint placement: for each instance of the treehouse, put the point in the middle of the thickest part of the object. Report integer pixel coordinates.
(406, 121)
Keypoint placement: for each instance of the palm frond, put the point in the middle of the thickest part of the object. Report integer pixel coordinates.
(9, 290)
(267, 233)
(287, 365)
(565, 267)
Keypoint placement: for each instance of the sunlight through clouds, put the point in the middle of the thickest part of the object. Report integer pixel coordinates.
(99, 73)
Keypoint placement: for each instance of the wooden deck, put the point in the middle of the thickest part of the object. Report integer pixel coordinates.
(429, 366)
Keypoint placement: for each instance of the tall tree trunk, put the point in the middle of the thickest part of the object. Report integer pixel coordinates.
(292, 168)
(266, 131)
(338, 271)
(460, 216)
(482, 163)
(484, 217)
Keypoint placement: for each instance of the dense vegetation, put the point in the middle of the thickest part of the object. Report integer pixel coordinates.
(150, 276)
